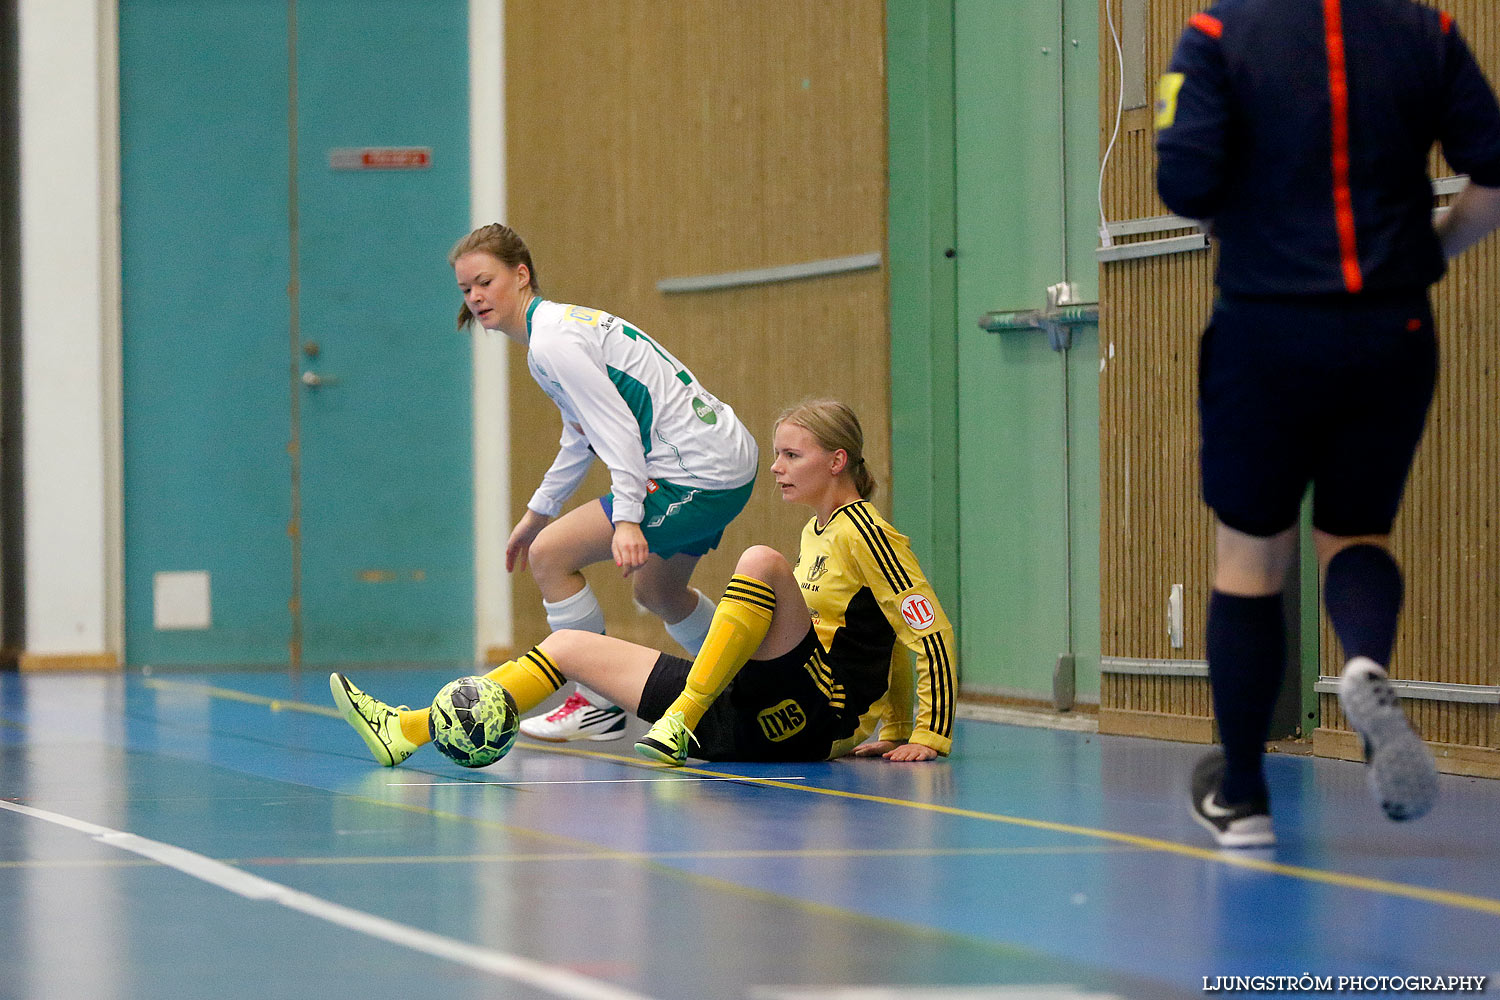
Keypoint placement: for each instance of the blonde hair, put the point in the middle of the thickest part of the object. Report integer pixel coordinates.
(505, 245)
(836, 428)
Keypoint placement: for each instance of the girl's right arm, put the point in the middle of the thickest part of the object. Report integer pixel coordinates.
(518, 547)
(574, 456)
(560, 482)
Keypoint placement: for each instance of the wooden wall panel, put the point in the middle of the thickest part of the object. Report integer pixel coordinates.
(1155, 528)
(1173, 708)
(667, 138)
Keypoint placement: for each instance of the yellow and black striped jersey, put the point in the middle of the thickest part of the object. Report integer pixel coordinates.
(865, 591)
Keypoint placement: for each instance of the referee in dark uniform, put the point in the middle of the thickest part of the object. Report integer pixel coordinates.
(1300, 131)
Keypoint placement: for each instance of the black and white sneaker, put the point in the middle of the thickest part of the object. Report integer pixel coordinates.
(1398, 766)
(1246, 824)
(577, 719)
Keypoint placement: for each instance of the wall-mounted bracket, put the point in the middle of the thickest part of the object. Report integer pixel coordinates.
(1063, 313)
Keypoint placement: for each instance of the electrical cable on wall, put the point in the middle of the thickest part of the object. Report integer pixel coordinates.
(1104, 238)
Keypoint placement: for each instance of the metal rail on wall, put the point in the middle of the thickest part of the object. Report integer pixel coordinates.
(769, 275)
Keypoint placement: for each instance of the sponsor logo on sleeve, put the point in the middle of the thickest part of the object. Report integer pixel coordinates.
(1167, 89)
(917, 610)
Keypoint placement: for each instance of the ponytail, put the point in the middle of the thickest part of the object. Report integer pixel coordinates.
(835, 427)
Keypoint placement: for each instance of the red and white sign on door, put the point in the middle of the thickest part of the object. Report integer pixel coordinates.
(381, 158)
(917, 610)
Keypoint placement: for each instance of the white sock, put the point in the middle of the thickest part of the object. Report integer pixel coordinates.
(581, 612)
(692, 630)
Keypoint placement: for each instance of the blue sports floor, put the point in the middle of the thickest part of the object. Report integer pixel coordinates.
(226, 835)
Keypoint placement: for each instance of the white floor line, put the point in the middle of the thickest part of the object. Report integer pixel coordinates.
(550, 979)
(581, 781)
(1040, 992)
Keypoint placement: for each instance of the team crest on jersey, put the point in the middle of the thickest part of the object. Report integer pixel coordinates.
(817, 569)
(782, 721)
(917, 610)
(1167, 89)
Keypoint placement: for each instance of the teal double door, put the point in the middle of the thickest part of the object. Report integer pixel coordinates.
(1026, 142)
(994, 172)
(296, 403)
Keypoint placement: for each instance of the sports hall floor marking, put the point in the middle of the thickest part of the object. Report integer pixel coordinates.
(604, 854)
(550, 979)
(1229, 858)
(578, 781)
(570, 857)
(1442, 897)
(1044, 992)
(543, 857)
(229, 694)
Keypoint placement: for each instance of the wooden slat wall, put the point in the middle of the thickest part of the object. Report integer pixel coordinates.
(1156, 531)
(667, 138)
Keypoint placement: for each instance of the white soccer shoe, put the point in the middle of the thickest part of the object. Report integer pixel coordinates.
(576, 719)
(1399, 768)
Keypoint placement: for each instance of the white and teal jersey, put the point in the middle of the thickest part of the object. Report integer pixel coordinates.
(625, 399)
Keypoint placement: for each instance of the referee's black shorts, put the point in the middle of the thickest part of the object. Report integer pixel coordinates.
(772, 710)
(1331, 392)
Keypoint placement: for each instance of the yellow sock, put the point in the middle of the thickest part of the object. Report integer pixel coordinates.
(414, 726)
(739, 626)
(531, 679)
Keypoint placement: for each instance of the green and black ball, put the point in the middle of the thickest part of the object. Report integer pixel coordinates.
(473, 721)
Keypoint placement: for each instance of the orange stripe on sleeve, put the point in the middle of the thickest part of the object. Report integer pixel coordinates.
(1208, 24)
(1447, 21)
(1338, 93)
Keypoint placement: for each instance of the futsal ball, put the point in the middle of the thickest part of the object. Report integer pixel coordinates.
(474, 721)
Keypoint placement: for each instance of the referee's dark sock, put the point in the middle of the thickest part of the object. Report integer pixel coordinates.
(1363, 590)
(1246, 660)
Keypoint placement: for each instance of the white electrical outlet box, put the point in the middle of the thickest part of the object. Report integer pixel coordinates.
(181, 601)
(1174, 615)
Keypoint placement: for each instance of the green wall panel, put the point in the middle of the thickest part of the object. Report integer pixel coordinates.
(924, 345)
(387, 509)
(1003, 95)
(204, 349)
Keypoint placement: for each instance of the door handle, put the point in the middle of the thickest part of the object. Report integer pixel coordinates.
(312, 379)
(1056, 321)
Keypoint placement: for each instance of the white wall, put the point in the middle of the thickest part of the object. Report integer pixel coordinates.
(70, 325)
(492, 521)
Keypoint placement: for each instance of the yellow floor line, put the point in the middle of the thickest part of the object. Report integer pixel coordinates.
(229, 694)
(543, 857)
(1234, 859)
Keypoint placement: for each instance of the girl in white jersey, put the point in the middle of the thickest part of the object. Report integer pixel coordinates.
(681, 464)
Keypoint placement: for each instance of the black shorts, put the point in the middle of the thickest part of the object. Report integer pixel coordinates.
(1332, 393)
(772, 710)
